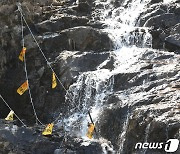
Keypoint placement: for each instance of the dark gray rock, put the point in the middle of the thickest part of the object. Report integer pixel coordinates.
(177, 10)
(155, 131)
(158, 37)
(172, 42)
(175, 29)
(113, 117)
(72, 64)
(147, 16)
(61, 23)
(83, 6)
(14, 139)
(155, 1)
(163, 24)
(122, 81)
(79, 39)
(143, 105)
(165, 21)
(87, 38)
(22, 140)
(110, 63)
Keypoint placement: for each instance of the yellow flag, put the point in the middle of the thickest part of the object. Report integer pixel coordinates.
(10, 116)
(54, 82)
(22, 53)
(23, 88)
(90, 131)
(48, 129)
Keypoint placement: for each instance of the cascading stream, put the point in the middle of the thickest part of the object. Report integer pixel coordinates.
(88, 94)
(120, 20)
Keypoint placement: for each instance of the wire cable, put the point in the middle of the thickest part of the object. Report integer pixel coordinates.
(30, 95)
(12, 110)
(25, 69)
(22, 32)
(48, 63)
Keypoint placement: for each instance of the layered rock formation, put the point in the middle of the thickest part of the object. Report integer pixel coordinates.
(164, 20)
(142, 104)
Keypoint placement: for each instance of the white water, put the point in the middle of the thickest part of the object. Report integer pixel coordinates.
(88, 94)
(146, 136)
(91, 88)
(121, 22)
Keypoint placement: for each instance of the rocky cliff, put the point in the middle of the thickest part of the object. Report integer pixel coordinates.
(127, 77)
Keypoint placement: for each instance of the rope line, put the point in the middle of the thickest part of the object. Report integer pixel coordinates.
(22, 32)
(25, 69)
(25, 66)
(30, 95)
(12, 110)
(48, 63)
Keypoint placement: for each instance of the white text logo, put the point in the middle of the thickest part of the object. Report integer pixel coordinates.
(170, 146)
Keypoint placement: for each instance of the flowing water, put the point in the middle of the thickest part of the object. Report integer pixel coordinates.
(120, 21)
(146, 136)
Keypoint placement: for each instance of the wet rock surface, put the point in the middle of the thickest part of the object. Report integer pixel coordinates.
(147, 113)
(68, 31)
(79, 39)
(75, 44)
(22, 140)
(164, 18)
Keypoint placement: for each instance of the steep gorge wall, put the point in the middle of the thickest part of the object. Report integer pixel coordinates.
(74, 44)
(58, 26)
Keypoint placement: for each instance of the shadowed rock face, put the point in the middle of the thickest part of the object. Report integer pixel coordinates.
(68, 37)
(88, 48)
(78, 38)
(164, 18)
(140, 109)
(22, 140)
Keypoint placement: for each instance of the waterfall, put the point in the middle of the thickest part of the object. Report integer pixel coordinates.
(147, 135)
(88, 94)
(120, 21)
(122, 137)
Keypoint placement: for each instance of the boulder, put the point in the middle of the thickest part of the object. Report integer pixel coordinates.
(162, 24)
(172, 42)
(112, 117)
(121, 81)
(72, 64)
(177, 10)
(79, 39)
(87, 38)
(158, 37)
(61, 23)
(84, 6)
(165, 20)
(175, 29)
(147, 16)
(21, 140)
(155, 129)
(155, 1)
